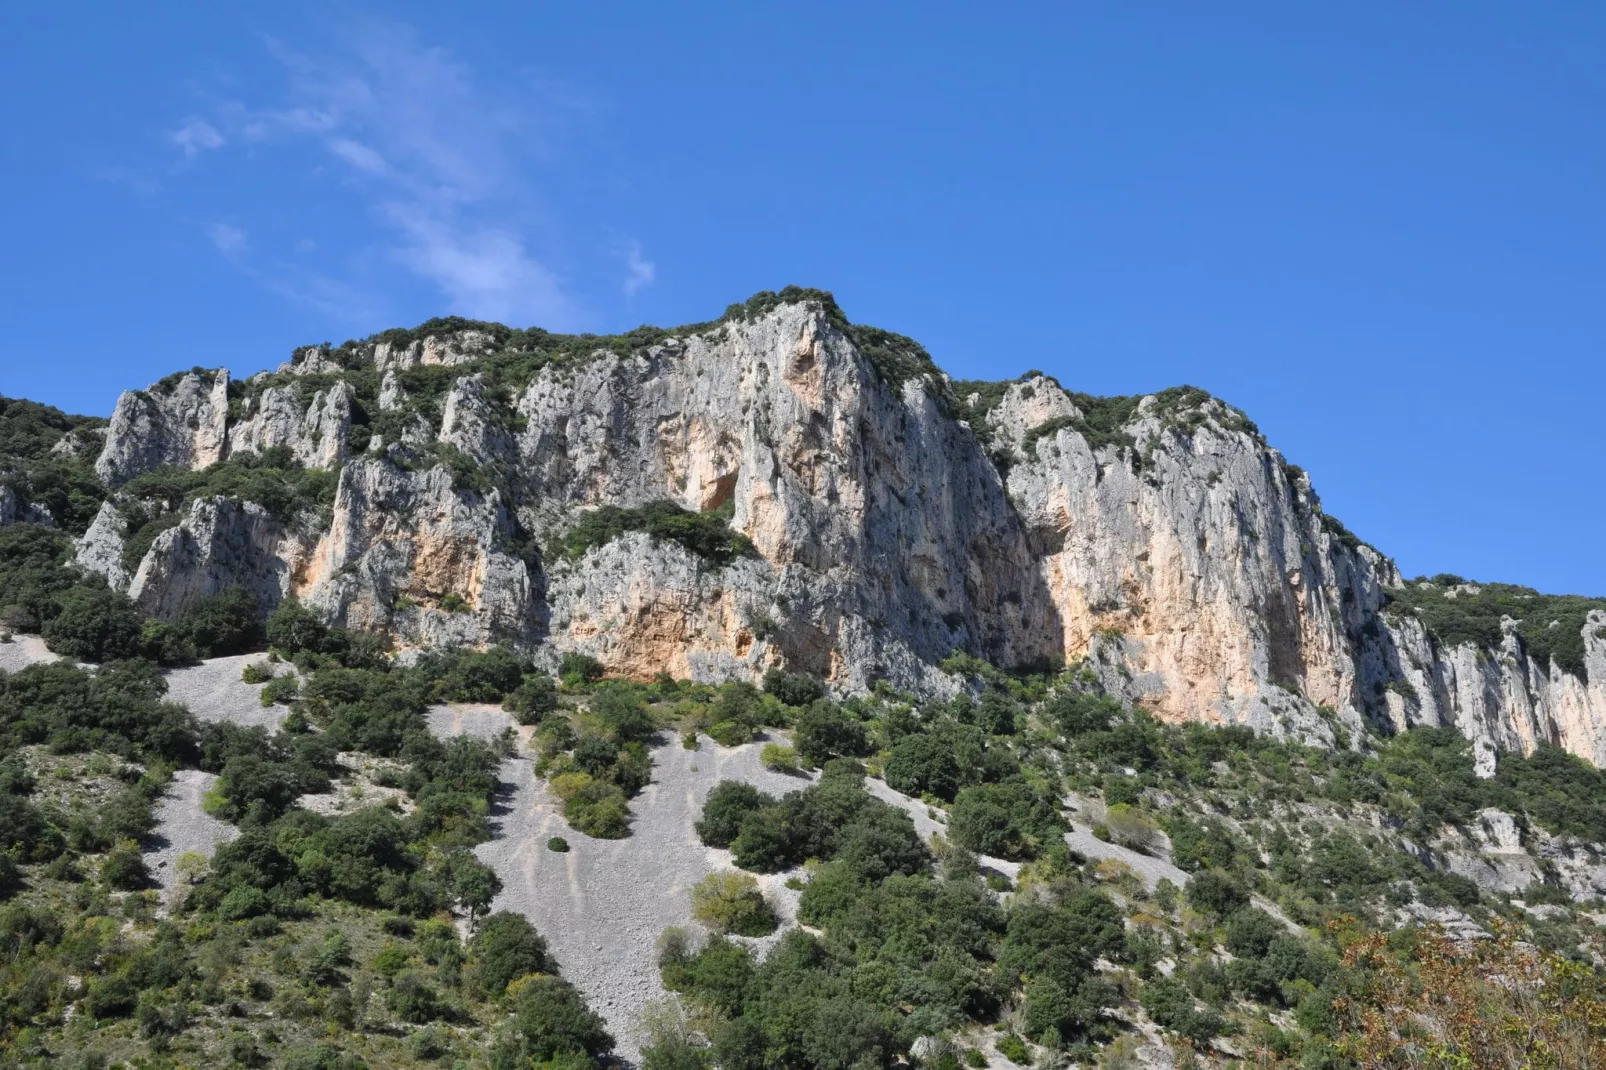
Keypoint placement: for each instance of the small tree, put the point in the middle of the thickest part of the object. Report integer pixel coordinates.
(474, 884)
(533, 699)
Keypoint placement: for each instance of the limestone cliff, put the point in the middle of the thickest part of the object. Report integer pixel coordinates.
(897, 517)
(180, 421)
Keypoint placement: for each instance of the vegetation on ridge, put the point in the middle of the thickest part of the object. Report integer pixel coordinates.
(707, 534)
(1456, 611)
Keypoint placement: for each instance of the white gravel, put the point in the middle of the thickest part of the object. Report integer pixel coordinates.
(23, 651)
(603, 905)
(182, 826)
(214, 691)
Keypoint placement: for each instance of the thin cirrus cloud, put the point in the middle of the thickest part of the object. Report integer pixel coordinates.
(441, 166)
(195, 137)
(639, 271)
(230, 240)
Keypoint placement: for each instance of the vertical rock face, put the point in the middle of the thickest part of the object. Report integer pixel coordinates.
(100, 550)
(406, 551)
(1193, 545)
(315, 433)
(219, 544)
(1160, 538)
(181, 423)
(890, 533)
(1501, 700)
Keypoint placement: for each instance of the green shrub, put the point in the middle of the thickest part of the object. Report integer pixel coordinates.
(95, 625)
(256, 672)
(708, 535)
(727, 806)
(124, 868)
(825, 732)
(791, 688)
(1171, 1006)
(730, 733)
(779, 758)
(551, 1020)
(474, 675)
(558, 844)
(620, 709)
(280, 690)
(1129, 828)
(293, 627)
(1014, 1049)
(594, 807)
(507, 947)
(1006, 820)
(534, 698)
(731, 902)
(1216, 894)
(580, 668)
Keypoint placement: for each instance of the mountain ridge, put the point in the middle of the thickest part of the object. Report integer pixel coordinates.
(898, 516)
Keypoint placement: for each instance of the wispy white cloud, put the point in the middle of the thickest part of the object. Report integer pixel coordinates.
(486, 272)
(358, 155)
(230, 240)
(443, 163)
(639, 271)
(195, 137)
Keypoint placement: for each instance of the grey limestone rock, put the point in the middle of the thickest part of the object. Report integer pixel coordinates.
(1172, 551)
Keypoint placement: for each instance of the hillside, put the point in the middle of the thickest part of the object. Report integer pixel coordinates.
(751, 694)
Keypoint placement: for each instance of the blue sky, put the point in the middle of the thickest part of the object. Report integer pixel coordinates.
(1378, 228)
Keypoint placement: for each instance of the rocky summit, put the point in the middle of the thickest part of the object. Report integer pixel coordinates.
(890, 517)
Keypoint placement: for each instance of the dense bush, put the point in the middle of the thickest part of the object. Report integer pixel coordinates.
(550, 1022)
(791, 688)
(117, 709)
(474, 675)
(824, 732)
(34, 575)
(507, 947)
(579, 668)
(708, 535)
(731, 902)
(534, 698)
(834, 817)
(1007, 819)
(95, 624)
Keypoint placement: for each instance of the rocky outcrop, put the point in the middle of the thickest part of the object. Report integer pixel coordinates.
(407, 552)
(100, 550)
(181, 423)
(218, 545)
(1203, 553)
(445, 349)
(1160, 539)
(1506, 858)
(872, 501)
(469, 423)
(315, 433)
(1501, 700)
(641, 606)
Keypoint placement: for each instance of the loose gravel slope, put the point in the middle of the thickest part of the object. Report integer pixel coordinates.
(23, 651)
(602, 905)
(183, 826)
(214, 691)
